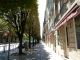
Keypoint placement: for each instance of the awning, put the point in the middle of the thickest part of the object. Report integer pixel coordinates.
(49, 36)
(67, 19)
(68, 16)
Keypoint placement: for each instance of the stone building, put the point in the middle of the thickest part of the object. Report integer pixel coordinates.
(62, 27)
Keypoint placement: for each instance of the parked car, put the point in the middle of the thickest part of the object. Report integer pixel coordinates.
(23, 45)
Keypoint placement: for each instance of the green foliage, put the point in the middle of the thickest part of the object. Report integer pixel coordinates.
(14, 5)
(3, 25)
(11, 10)
(19, 14)
(25, 37)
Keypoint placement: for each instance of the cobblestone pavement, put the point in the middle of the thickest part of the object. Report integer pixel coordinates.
(39, 52)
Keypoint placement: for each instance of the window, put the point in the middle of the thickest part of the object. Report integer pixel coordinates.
(77, 25)
(67, 36)
(63, 7)
(58, 32)
(71, 1)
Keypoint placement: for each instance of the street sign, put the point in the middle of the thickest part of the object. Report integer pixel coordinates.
(5, 34)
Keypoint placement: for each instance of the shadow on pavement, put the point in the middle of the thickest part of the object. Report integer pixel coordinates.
(4, 55)
(36, 53)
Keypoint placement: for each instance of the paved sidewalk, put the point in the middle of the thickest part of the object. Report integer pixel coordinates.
(4, 52)
(52, 55)
(39, 52)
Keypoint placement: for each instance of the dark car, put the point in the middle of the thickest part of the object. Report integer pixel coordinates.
(23, 44)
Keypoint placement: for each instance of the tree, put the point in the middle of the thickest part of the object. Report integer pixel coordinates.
(16, 14)
(37, 31)
(33, 14)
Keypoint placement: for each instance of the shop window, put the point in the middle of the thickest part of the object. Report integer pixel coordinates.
(58, 32)
(77, 26)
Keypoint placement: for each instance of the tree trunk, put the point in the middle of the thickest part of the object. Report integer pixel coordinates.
(29, 39)
(20, 47)
(15, 39)
(33, 41)
(38, 40)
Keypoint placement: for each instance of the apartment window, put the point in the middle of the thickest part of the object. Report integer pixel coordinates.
(71, 1)
(56, 20)
(56, 9)
(63, 8)
(61, 3)
(77, 25)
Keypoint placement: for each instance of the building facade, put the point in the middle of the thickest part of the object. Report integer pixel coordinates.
(62, 27)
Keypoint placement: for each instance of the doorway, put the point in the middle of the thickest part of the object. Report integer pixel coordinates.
(67, 43)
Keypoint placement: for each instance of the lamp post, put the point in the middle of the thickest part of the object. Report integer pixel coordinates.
(9, 42)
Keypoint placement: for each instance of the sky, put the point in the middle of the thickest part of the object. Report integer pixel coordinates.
(41, 11)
